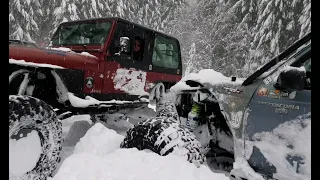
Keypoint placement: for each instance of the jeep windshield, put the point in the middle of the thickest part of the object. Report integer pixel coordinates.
(81, 33)
(298, 45)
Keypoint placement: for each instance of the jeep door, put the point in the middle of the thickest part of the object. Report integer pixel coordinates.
(278, 139)
(126, 76)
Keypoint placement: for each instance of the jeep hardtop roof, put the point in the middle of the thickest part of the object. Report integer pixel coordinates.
(121, 20)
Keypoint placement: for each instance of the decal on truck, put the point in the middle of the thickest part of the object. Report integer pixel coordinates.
(130, 81)
(277, 105)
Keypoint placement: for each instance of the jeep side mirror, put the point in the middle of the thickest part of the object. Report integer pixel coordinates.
(291, 78)
(124, 44)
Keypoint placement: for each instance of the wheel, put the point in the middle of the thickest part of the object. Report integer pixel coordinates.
(164, 136)
(27, 112)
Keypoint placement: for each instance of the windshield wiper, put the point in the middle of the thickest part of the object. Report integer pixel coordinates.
(277, 59)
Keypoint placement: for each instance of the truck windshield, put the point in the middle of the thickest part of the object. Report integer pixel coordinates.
(81, 33)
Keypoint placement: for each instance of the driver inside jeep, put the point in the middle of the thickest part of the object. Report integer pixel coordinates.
(138, 49)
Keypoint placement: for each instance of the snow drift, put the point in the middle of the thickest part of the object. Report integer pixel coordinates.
(97, 156)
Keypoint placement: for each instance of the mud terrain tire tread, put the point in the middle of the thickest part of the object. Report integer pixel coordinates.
(27, 112)
(164, 136)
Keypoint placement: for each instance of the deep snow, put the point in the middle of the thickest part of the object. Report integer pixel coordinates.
(98, 156)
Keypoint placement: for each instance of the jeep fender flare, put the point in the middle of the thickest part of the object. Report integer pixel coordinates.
(61, 89)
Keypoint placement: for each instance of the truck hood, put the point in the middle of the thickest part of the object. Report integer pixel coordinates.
(53, 58)
(206, 78)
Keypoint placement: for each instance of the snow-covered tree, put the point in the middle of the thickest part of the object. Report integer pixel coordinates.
(23, 19)
(231, 36)
(221, 33)
(279, 24)
(305, 18)
(237, 36)
(154, 14)
(183, 27)
(36, 20)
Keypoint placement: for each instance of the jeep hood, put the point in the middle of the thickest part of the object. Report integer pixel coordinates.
(208, 78)
(53, 58)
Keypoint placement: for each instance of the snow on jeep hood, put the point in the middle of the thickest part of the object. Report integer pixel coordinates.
(24, 63)
(98, 156)
(64, 49)
(204, 76)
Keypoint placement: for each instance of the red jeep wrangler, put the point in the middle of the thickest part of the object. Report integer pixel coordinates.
(90, 62)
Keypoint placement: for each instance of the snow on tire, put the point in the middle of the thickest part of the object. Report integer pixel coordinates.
(164, 136)
(31, 113)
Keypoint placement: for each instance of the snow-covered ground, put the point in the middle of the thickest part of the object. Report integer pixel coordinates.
(92, 151)
(97, 156)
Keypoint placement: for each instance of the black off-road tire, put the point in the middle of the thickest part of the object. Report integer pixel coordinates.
(27, 112)
(164, 136)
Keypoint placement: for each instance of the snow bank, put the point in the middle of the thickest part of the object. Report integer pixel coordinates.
(99, 140)
(204, 76)
(124, 164)
(97, 156)
(24, 63)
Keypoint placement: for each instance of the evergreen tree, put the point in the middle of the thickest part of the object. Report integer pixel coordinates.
(37, 20)
(279, 24)
(23, 18)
